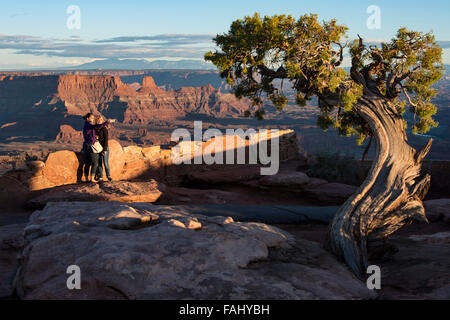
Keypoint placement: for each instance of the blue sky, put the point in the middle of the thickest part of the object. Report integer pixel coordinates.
(34, 34)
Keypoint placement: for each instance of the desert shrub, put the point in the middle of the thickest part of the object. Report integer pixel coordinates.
(30, 157)
(334, 167)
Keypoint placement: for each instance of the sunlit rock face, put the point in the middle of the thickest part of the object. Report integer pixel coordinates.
(142, 251)
(58, 101)
(134, 163)
(122, 191)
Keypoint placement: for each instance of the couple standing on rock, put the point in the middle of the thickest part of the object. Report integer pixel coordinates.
(95, 147)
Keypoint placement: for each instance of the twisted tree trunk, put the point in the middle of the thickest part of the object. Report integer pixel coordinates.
(390, 196)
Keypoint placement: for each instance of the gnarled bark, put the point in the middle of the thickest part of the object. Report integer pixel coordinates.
(392, 193)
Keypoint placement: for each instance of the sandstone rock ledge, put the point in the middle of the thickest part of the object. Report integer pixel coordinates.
(121, 191)
(11, 244)
(141, 251)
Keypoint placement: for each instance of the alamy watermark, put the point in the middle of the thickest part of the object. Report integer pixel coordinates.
(74, 20)
(74, 280)
(374, 280)
(374, 20)
(228, 149)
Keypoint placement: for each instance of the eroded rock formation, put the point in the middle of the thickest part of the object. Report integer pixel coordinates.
(68, 135)
(121, 191)
(126, 163)
(43, 107)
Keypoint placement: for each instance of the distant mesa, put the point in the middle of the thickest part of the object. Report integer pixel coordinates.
(140, 64)
(8, 125)
(149, 86)
(68, 135)
(59, 100)
(135, 86)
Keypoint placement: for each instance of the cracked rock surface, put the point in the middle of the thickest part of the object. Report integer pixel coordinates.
(142, 251)
(122, 191)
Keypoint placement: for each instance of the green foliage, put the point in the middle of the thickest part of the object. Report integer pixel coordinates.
(259, 114)
(351, 96)
(300, 99)
(360, 139)
(400, 106)
(306, 53)
(278, 100)
(410, 64)
(258, 50)
(325, 121)
(30, 157)
(424, 125)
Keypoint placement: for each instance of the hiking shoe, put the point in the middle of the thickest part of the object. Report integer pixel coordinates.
(109, 178)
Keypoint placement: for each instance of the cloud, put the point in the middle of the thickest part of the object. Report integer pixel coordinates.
(168, 45)
(163, 39)
(444, 44)
(176, 46)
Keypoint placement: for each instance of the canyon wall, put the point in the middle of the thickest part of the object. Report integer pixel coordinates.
(168, 79)
(35, 107)
(132, 162)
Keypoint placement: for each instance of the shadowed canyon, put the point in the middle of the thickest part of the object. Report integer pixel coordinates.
(42, 111)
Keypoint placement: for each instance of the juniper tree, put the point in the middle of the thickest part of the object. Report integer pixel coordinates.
(260, 55)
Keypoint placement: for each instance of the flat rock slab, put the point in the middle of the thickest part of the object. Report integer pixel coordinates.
(122, 191)
(419, 270)
(288, 180)
(319, 190)
(183, 196)
(331, 193)
(272, 214)
(438, 210)
(11, 244)
(182, 256)
(224, 176)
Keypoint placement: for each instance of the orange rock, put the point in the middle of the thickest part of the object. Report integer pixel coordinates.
(116, 159)
(152, 153)
(39, 183)
(62, 167)
(67, 134)
(121, 191)
(149, 86)
(135, 168)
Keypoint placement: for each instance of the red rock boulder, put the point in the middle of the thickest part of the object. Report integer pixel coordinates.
(62, 167)
(116, 159)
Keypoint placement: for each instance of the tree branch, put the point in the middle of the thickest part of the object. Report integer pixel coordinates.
(279, 74)
(408, 97)
(421, 154)
(366, 150)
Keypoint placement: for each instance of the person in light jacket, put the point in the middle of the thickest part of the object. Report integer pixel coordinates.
(103, 161)
(90, 137)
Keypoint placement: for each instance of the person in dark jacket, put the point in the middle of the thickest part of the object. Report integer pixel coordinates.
(103, 161)
(90, 137)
